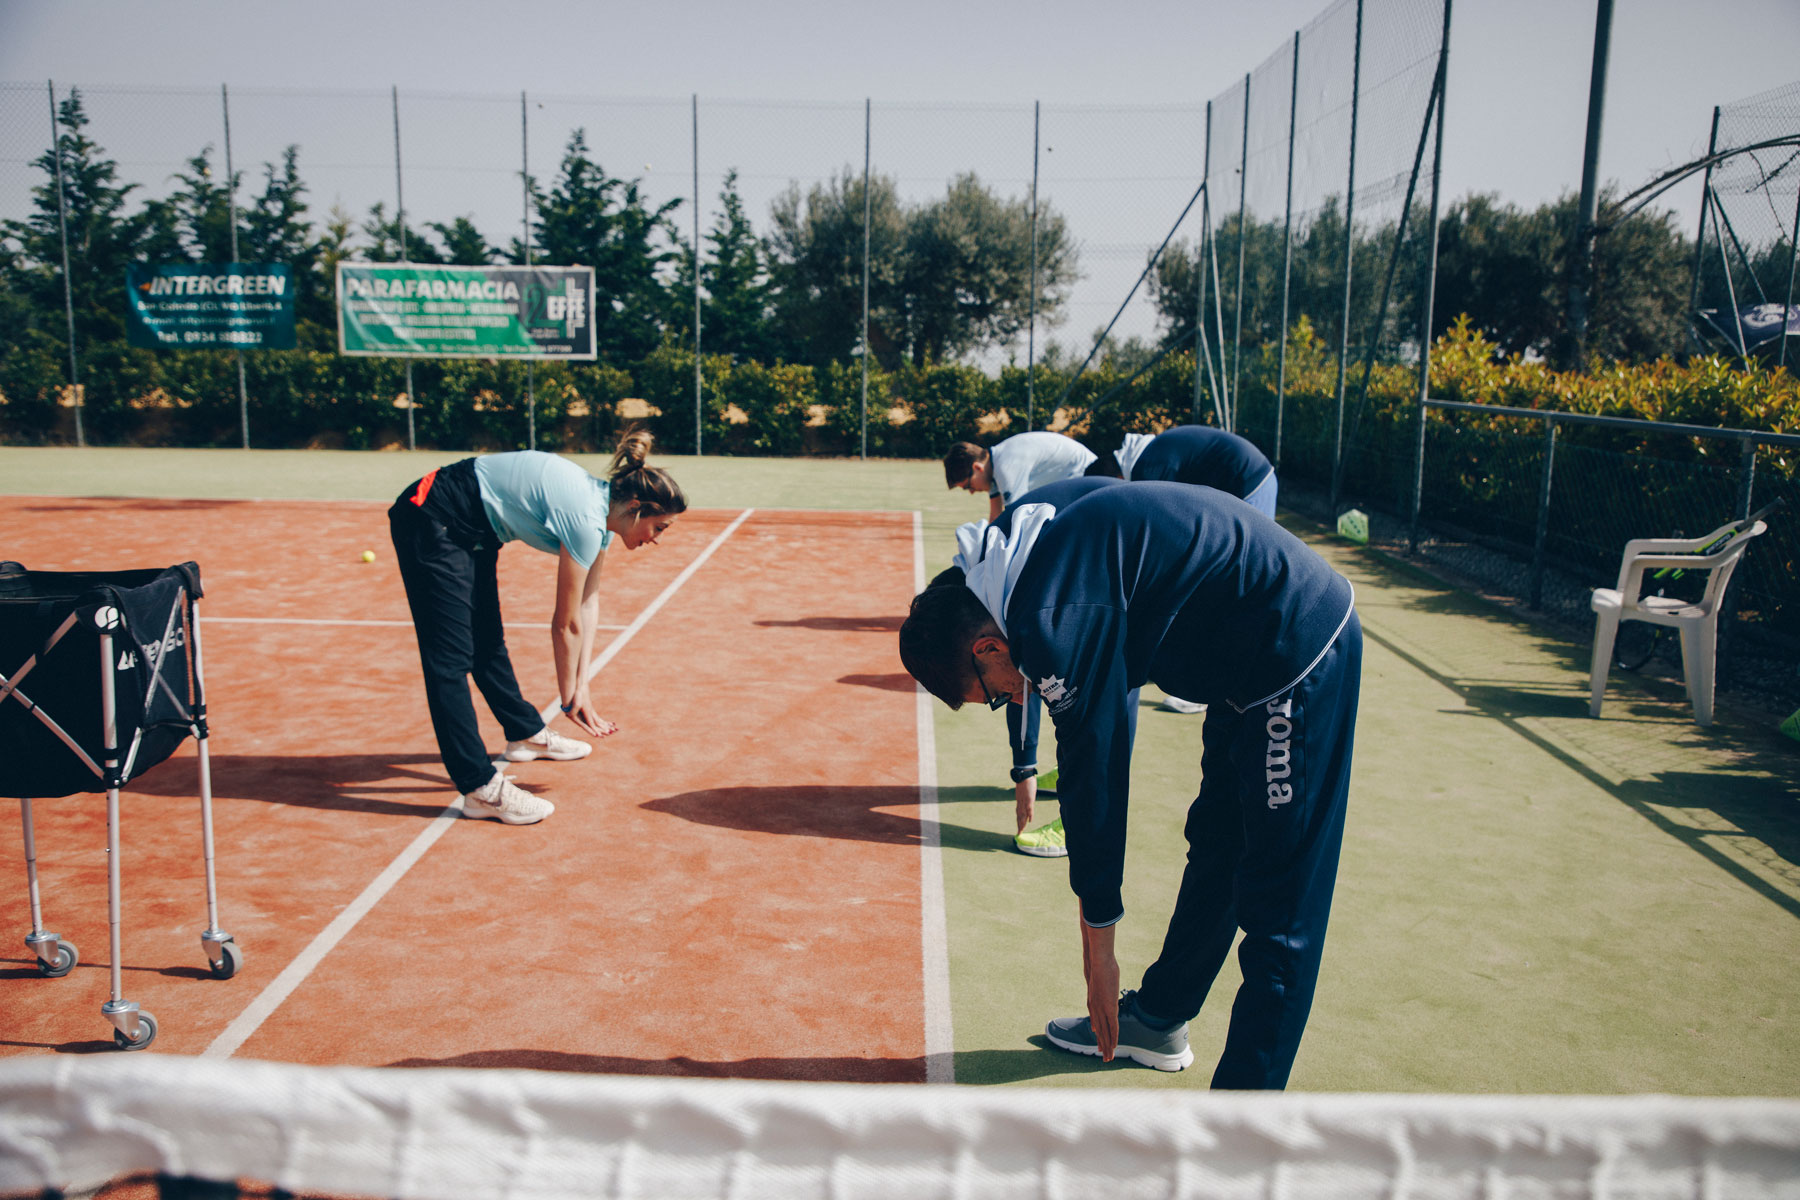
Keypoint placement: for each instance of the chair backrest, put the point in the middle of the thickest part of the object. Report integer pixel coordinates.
(1726, 562)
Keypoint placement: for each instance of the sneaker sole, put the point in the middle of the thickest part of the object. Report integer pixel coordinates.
(1137, 1054)
(521, 756)
(504, 818)
(1043, 851)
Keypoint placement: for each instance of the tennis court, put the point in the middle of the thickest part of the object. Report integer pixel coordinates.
(751, 879)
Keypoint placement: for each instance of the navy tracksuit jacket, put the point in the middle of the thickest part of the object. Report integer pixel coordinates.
(1193, 590)
(1205, 455)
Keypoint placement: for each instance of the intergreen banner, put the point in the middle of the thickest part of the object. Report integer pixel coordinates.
(241, 306)
(414, 311)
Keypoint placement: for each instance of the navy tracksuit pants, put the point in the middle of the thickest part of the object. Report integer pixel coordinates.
(1263, 840)
(448, 556)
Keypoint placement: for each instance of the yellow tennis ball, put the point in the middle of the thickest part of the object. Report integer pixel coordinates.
(368, 556)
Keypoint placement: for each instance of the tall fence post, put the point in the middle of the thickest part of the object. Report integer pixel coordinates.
(1787, 306)
(697, 403)
(1428, 301)
(867, 208)
(1712, 147)
(1583, 257)
(1200, 271)
(1031, 323)
(400, 224)
(1536, 598)
(1237, 322)
(231, 212)
(1337, 453)
(62, 218)
(1746, 477)
(525, 190)
(1287, 252)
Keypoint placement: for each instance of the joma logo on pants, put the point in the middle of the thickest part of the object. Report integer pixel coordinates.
(1277, 763)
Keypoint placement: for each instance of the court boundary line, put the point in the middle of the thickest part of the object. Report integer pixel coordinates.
(934, 922)
(617, 644)
(243, 1026)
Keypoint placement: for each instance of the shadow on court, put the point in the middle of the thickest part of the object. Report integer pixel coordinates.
(840, 624)
(1752, 791)
(1044, 1062)
(839, 1069)
(850, 813)
(363, 783)
(900, 682)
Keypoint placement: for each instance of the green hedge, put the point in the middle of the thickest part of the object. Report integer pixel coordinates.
(306, 398)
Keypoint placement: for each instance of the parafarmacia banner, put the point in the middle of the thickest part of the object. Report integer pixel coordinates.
(243, 306)
(413, 311)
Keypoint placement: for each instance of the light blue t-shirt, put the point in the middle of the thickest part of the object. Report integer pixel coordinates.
(1027, 461)
(545, 501)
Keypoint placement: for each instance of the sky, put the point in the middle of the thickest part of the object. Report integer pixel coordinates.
(1517, 102)
(1516, 106)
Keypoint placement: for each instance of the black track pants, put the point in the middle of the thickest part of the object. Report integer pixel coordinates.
(455, 600)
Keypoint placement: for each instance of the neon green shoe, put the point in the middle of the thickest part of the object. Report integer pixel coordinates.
(1046, 841)
(1047, 781)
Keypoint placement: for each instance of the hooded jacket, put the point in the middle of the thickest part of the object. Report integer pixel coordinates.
(1167, 583)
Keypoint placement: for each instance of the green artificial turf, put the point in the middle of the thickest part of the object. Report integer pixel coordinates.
(1530, 900)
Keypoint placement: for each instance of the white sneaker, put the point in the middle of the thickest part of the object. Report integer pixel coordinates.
(500, 799)
(548, 744)
(1177, 704)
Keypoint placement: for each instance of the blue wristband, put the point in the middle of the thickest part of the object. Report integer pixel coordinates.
(567, 709)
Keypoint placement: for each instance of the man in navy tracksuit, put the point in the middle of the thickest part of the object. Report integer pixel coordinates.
(1194, 591)
(1205, 455)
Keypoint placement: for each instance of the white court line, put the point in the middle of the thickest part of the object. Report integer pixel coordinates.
(294, 974)
(618, 643)
(940, 1046)
(211, 620)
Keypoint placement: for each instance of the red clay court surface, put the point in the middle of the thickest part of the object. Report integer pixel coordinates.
(730, 885)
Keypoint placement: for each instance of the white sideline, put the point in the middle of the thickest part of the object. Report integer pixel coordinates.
(940, 1046)
(617, 644)
(294, 974)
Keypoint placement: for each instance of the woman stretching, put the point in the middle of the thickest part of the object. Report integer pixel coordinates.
(448, 529)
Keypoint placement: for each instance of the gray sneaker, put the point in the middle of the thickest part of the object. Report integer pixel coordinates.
(1166, 1049)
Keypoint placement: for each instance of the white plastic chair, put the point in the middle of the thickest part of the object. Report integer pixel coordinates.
(1696, 622)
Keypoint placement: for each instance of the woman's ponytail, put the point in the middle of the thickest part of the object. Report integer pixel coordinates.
(632, 478)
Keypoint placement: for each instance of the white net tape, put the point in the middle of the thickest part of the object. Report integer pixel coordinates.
(409, 1134)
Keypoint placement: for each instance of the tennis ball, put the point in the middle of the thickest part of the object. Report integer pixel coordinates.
(368, 556)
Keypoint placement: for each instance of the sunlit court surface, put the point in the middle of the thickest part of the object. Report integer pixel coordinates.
(1530, 900)
(729, 886)
(784, 868)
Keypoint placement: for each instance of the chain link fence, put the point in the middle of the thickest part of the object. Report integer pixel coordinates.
(1750, 221)
(1309, 259)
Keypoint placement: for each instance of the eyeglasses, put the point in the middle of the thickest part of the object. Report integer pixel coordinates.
(994, 703)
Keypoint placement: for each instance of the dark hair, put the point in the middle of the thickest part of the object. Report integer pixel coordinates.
(948, 577)
(960, 462)
(937, 636)
(653, 488)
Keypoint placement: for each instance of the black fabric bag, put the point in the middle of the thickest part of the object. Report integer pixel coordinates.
(157, 690)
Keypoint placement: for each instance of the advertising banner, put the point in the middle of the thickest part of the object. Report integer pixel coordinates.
(241, 306)
(413, 311)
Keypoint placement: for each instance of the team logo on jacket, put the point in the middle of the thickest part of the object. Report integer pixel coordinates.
(1056, 692)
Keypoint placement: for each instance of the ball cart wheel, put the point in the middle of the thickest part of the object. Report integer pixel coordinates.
(232, 959)
(66, 958)
(146, 1033)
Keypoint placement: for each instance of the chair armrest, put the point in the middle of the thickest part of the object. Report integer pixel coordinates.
(1631, 571)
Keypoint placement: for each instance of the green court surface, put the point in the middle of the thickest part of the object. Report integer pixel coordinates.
(1530, 900)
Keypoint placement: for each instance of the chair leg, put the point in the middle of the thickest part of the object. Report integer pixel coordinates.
(1699, 647)
(1606, 629)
